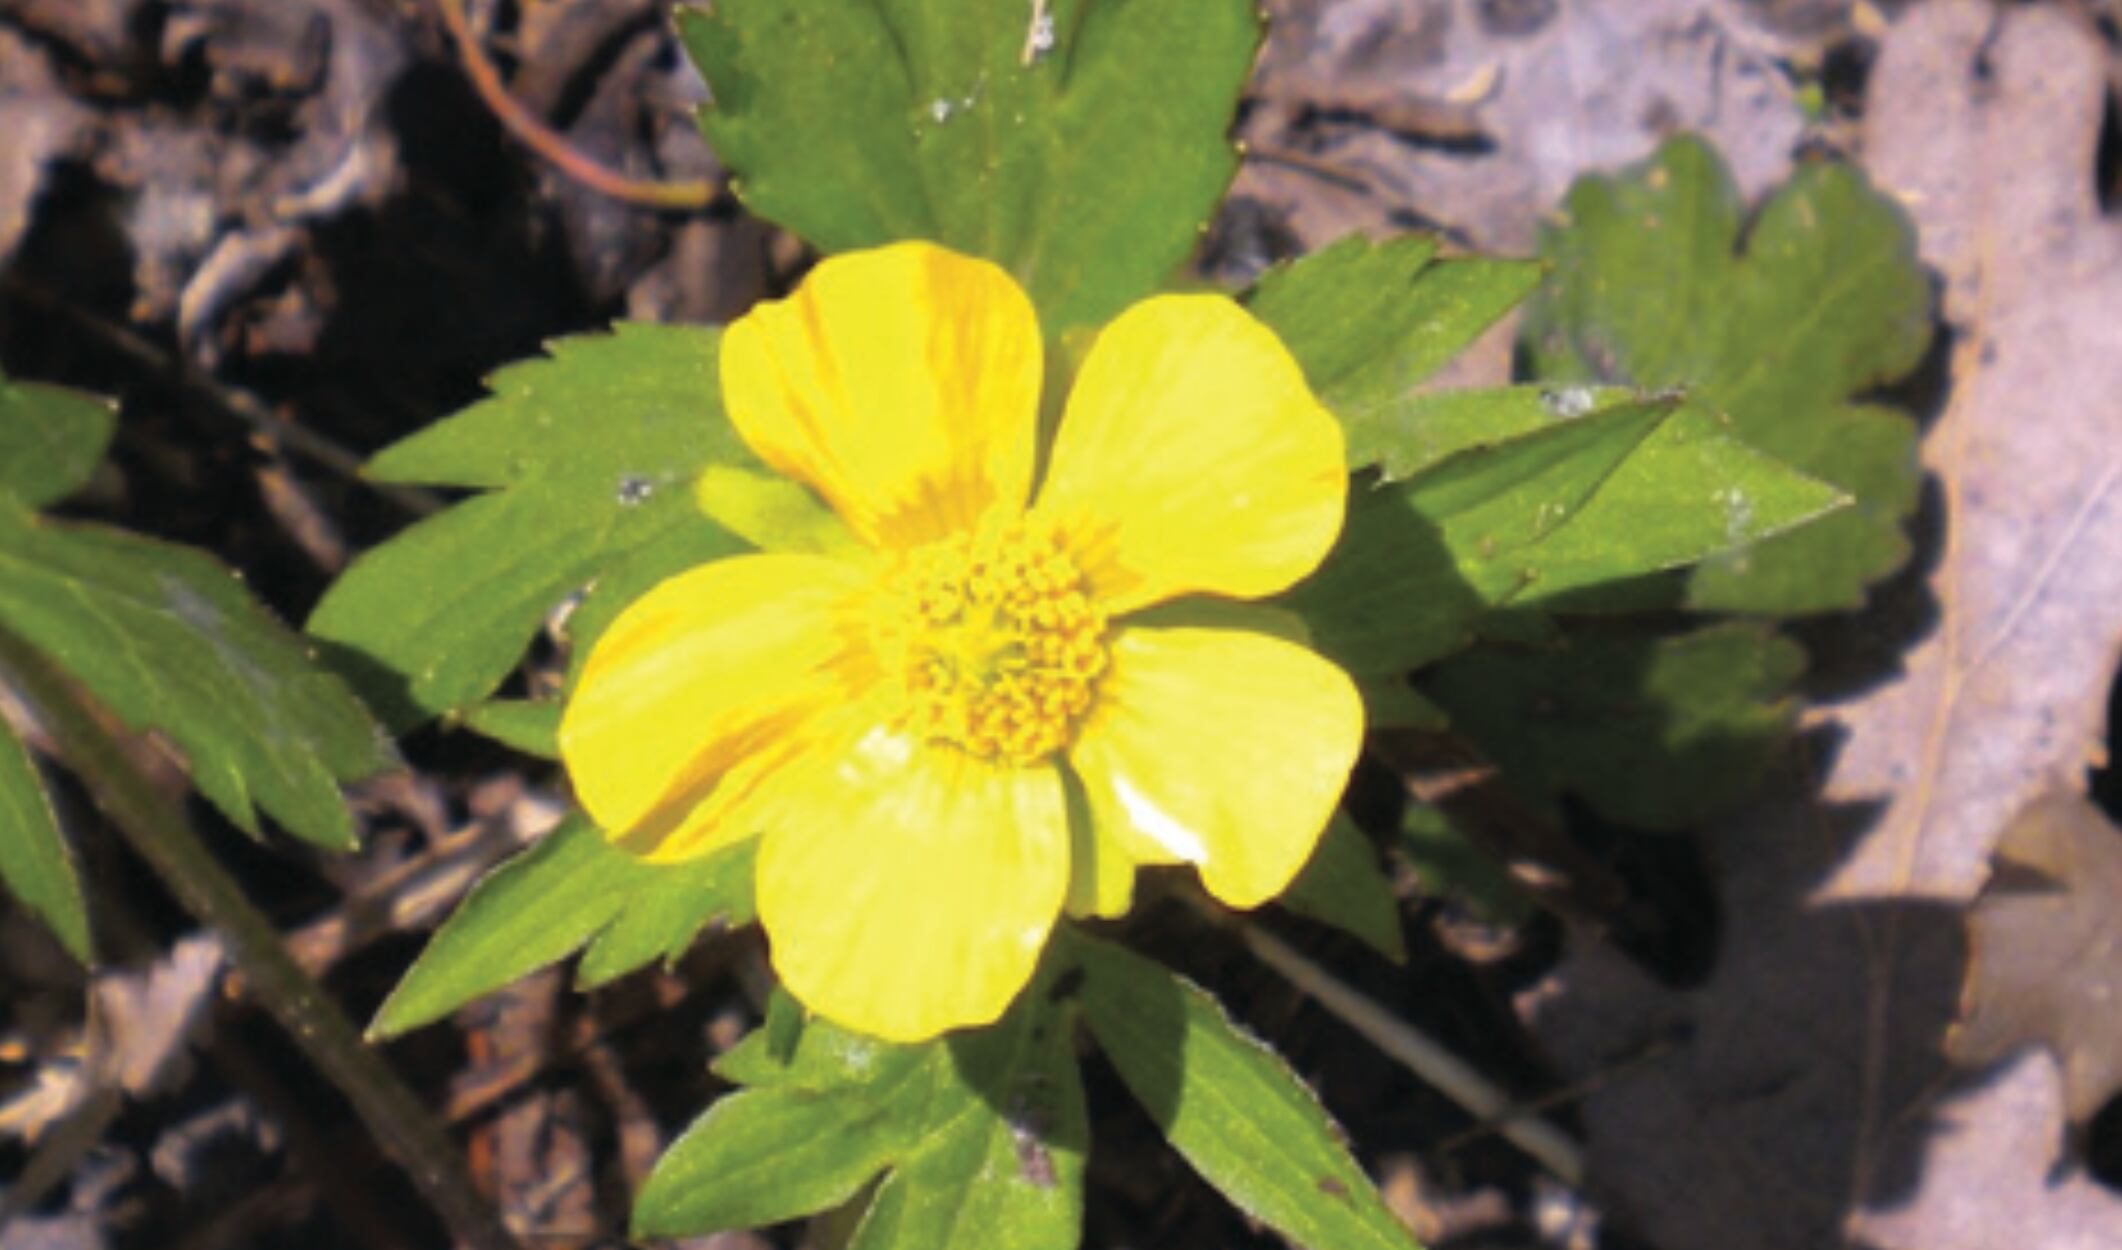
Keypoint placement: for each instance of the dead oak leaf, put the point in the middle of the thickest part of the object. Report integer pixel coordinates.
(1805, 1108)
(2046, 958)
(1477, 117)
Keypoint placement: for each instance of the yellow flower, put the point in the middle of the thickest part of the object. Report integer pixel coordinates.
(983, 715)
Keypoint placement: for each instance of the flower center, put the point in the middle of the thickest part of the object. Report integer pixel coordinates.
(994, 640)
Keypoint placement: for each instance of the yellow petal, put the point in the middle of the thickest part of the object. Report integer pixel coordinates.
(902, 384)
(696, 686)
(909, 889)
(1192, 456)
(1222, 748)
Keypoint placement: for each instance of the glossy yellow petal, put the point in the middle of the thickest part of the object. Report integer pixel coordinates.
(1222, 748)
(697, 685)
(1192, 456)
(902, 384)
(909, 889)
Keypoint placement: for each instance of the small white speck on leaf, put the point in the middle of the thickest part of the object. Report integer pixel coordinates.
(1039, 37)
(634, 490)
(1567, 402)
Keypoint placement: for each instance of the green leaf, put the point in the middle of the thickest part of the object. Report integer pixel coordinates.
(762, 1156)
(1446, 863)
(771, 512)
(1343, 886)
(1826, 301)
(1623, 492)
(167, 639)
(34, 861)
(1343, 310)
(1001, 1165)
(1389, 596)
(1389, 702)
(664, 916)
(51, 440)
(546, 903)
(982, 1134)
(1688, 492)
(1653, 732)
(531, 726)
(1426, 428)
(633, 574)
(1229, 1105)
(589, 455)
(1087, 170)
(1370, 321)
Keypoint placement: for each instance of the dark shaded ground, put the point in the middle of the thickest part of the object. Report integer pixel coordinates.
(285, 233)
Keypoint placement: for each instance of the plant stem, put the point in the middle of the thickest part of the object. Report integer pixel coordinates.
(106, 762)
(688, 196)
(1420, 1054)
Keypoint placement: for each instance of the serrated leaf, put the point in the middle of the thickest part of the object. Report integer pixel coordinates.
(1426, 428)
(589, 454)
(546, 903)
(1653, 732)
(1086, 169)
(51, 440)
(1826, 302)
(664, 919)
(1343, 887)
(1001, 1164)
(767, 1054)
(167, 639)
(34, 860)
(632, 574)
(1369, 321)
(1616, 494)
(531, 726)
(761, 1156)
(772, 512)
(982, 1134)
(1229, 1105)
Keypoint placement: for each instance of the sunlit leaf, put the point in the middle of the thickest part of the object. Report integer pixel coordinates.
(1086, 164)
(1626, 491)
(1428, 426)
(574, 887)
(51, 439)
(981, 1136)
(1369, 321)
(1229, 1105)
(34, 861)
(1826, 300)
(531, 726)
(588, 455)
(167, 639)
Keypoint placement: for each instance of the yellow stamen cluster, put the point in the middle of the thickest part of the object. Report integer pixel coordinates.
(993, 639)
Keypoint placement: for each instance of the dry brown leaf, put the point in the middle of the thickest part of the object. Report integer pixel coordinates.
(38, 125)
(1810, 1105)
(2046, 959)
(1477, 116)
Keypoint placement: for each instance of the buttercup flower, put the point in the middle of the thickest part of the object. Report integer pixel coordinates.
(999, 704)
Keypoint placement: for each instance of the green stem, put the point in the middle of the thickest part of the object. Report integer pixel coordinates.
(162, 836)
